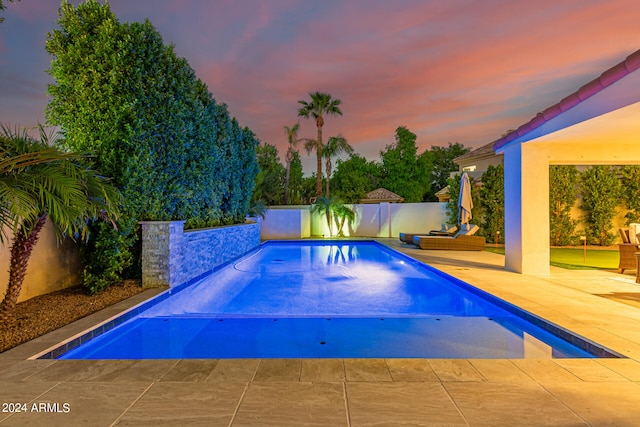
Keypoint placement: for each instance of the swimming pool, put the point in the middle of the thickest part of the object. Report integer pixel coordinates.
(330, 299)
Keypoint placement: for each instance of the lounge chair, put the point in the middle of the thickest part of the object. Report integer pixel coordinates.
(628, 248)
(446, 230)
(463, 240)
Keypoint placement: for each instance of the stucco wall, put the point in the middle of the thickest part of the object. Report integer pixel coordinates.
(52, 266)
(372, 220)
(286, 223)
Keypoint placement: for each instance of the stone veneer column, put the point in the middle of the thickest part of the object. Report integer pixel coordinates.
(162, 253)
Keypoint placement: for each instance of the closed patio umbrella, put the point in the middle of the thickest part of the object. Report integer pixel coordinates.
(465, 203)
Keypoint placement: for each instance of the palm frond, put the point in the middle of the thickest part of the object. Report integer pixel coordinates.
(37, 179)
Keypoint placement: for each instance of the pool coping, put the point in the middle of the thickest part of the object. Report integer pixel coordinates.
(598, 350)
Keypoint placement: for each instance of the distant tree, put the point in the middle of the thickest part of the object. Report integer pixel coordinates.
(563, 193)
(3, 7)
(600, 197)
(355, 177)
(403, 172)
(270, 179)
(631, 193)
(320, 105)
(309, 189)
(295, 180)
(292, 139)
(492, 203)
(40, 183)
(442, 162)
(336, 145)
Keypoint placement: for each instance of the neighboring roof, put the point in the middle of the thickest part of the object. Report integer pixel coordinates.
(485, 150)
(443, 192)
(612, 75)
(381, 195)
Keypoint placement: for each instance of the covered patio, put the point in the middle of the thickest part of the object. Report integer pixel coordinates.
(599, 124)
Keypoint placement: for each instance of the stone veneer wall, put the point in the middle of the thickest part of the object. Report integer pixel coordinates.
(172, 256)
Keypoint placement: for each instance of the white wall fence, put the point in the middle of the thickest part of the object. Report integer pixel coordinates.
(372, 220)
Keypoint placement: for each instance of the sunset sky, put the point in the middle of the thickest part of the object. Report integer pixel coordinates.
(451, 71)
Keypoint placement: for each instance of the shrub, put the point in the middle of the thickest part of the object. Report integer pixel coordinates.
(600, 193)
(492, 203)
(563, 191)
(631, 193)
(174, 152)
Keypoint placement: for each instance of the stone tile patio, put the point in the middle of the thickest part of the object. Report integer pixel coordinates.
(358, 392)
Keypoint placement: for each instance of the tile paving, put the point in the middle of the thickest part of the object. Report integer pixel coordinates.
(358, 392)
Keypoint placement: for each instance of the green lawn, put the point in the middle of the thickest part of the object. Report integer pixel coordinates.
(573, 258)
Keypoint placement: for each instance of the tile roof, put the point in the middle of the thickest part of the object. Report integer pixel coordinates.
(485, 150)
(383, 194)
(612, 75)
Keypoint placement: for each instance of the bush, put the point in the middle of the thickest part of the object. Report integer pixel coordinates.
(492, 203)
(631, 193)
(174, 152)
(600, 192)
(563, 191)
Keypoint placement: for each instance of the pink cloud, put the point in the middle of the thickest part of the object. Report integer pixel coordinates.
(462, 71)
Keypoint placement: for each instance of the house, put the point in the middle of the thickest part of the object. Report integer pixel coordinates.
(597, 124)
(477, 161)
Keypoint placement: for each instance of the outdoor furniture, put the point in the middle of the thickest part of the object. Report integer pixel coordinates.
(628, 256)
(463, 240)
(628, 248)
(459, 243)
(446, 230)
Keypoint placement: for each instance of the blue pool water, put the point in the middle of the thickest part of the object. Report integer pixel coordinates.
(318, 299)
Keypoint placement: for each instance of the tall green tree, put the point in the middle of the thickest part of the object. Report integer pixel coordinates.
(563, 193)
(336, 145)
(321, 104)
(309, 188)
(295, 180)
(270, 179)
(405, 173)
(292, 140)
(631, 193)
(40, 183)
(492, 203)
(600, 197)
(441, 159)
(355, 177)
(174, 152)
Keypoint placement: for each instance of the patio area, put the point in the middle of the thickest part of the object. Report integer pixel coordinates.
(601, 306)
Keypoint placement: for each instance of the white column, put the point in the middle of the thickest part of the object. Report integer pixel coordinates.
(526, 209)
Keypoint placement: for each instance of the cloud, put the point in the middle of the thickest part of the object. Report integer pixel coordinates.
(456, 71)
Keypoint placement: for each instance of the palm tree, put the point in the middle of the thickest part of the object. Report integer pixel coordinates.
(38, 182)
(321, 104)
(292, 137)
(334, 211)
(343, 214)
(336, 145)
(325, 206)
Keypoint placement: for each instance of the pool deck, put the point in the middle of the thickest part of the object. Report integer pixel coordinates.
(601, 306)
